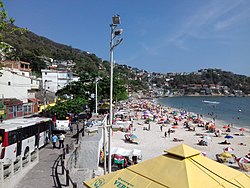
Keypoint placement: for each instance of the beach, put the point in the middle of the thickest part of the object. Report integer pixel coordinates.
(154, 142)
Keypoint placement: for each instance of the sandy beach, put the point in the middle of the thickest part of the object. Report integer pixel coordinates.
(153, 142)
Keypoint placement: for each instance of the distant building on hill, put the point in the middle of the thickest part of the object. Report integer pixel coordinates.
(53, 80)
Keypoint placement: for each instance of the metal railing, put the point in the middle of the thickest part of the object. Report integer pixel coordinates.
(55, 171)
(7, 172)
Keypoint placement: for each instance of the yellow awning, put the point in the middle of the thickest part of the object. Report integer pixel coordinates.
(181, 167)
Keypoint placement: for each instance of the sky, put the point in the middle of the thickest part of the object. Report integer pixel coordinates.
(158, 35)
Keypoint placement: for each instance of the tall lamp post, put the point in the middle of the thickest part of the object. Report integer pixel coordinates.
(96, 98)
(114, 32)
(44, 92)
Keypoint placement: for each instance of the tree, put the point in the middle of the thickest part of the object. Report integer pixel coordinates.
(3, 27)
(73, 106)
(5, 22)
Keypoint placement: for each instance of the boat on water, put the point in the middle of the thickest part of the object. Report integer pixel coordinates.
(211, 102)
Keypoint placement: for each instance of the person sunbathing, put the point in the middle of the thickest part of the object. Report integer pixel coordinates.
(202, 143)
(177, 140)
(225, 142)
(242, 144)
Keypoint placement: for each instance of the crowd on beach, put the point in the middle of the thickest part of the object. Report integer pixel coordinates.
(157, 128)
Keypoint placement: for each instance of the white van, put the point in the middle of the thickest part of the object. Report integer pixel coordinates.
(62, 125)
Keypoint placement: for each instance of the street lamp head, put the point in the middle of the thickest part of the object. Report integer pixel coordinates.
(118, 32)
(116, 19)
(118, 41)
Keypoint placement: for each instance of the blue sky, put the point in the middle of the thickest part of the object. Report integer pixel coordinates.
(158, 35)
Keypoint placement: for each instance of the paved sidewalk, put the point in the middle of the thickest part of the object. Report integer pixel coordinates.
(40, 176)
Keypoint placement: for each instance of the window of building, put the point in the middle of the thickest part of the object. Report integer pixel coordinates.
(19, 108)
(9, 83)
(10, 110)
(29, 108)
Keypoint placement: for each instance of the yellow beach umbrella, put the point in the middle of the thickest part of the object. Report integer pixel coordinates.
(181, 167)
(226, 155)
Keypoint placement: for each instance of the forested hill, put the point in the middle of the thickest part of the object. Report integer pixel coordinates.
(31, 47)
(213, 77)
(36, 49)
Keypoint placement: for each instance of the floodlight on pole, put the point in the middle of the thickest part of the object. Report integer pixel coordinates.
(116, 19)
(118, 32)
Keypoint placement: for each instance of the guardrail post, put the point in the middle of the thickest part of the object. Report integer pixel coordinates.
(1, 172)
(77, 130)
(74, 185)
(63, 153)
(12, 168)
(38, 154)
(67, 177)
(20, 162)
(67, 148)
(62, 164)
(29, 157)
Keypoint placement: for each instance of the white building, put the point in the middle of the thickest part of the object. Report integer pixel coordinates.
(13, 85)
(54, 80)
(16, 81)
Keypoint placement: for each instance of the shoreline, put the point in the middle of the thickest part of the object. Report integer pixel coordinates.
(221, 121)
(153, 143)
(203, 96)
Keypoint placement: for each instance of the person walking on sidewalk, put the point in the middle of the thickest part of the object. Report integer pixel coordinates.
(61, 140)
(169, 131)
(71, 128)
(54, 140)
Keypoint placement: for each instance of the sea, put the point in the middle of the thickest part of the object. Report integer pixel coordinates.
(228, 110)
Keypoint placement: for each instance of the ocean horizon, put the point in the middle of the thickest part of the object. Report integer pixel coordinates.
(228, 110)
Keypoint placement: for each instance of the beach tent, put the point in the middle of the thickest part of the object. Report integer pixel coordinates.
(126, 152)
(180, 167)
(122, 152)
